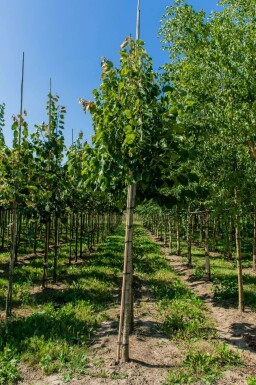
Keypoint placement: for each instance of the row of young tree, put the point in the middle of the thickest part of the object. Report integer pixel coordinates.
(184, 138)
(43, 205)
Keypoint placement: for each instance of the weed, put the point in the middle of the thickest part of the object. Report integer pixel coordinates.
(179, 378)
(198, 272)
(206, 366)
(9, 373)
(67, 378)
(100, 374)
(184, 318)
(227, 356)
(118, 376)
(251, 381)
(225, 288)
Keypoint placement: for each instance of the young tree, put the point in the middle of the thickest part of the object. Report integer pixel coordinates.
(132, 142)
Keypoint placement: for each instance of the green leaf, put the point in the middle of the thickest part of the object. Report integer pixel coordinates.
(128, 114)
(129, 138)
(120, 86)
(168, 89)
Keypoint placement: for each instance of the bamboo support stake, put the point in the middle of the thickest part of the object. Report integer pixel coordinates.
(126, 272)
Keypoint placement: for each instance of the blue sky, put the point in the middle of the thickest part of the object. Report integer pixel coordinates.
(65, 40)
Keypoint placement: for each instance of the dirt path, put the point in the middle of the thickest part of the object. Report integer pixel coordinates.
(237, 330)
(151, 353)
(232, 327)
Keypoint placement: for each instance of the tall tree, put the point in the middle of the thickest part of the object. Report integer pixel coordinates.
(132, 141)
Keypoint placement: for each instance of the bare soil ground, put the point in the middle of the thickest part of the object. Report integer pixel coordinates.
(151, 353)
(235, 329)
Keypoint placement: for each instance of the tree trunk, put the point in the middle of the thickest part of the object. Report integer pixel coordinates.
(214, 236)
(165, 230)
(56, 245)
(178, 234)
(239, 265)
(170, 233)
(126, 299)
(189, 236)
(19, 223)
(81, 234)
(11, 265)
(207, 254)
(76, 241)
(46, 253)
(230, 239)
(4, 220)
(35, 238)
(254, 240)
(201, 230)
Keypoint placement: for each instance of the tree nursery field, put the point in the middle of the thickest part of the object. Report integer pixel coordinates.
(132, 259)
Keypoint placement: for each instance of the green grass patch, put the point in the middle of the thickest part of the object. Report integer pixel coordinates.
(204, 367)
(60, 319)
(183, 317)
(251, 381)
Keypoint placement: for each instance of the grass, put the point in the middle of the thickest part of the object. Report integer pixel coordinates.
(184, 319)
(224, 278)
(223, 272)
(9, 373)
(52, 327)
(204, 366)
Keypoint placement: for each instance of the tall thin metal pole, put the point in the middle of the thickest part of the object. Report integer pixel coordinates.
(138, 22)
(50, 105)
(21, 96)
